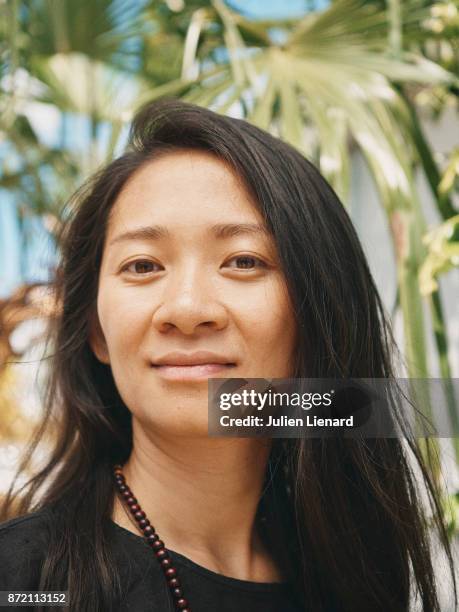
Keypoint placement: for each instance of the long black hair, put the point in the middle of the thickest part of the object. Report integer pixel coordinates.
(342, 516)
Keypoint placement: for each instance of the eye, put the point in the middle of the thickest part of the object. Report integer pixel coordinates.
(141, 266)
(247, 262)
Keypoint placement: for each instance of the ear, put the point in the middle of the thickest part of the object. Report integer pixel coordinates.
(96, 340)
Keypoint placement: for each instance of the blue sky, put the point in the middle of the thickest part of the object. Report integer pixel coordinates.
(275, 9)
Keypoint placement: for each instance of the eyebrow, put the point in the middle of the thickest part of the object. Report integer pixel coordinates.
(220, 230)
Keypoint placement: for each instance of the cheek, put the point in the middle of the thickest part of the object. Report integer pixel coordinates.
(123, 325)
(270, 331)
(123, 322)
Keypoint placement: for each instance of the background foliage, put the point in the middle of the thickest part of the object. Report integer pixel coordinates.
(356, 75)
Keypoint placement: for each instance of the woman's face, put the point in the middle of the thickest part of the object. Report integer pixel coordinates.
(188, 269)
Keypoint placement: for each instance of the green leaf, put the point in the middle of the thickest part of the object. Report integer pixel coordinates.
(443, 254)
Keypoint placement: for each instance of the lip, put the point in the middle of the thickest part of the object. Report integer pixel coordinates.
(199, 365)
(201, 371)
(178, 358)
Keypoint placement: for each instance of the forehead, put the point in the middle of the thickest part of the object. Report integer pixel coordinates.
(190, 188)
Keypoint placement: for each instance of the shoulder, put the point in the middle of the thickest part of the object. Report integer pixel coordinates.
(22, 529)
(23, 543)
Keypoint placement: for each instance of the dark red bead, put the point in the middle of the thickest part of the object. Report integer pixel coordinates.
(165, 563)
(143, 522)
(158, 544)
(177, 593)
(186, 610)
(174, 583)
(182, 603)
(134, 508)
(148, 530)
(171, 572)
(126, 494)
(122, 488)
(140, 514)
(152, 538)
(119, 478)
(162, 554)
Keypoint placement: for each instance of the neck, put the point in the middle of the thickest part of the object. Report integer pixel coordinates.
(201, 496)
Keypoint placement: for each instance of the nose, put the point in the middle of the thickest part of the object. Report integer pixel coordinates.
(189, 304)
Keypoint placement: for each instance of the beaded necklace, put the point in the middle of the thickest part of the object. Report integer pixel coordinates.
(149, 533)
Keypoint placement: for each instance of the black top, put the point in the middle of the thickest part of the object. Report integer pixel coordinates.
(23, 544)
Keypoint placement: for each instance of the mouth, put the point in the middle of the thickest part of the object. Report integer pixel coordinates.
(201, 371)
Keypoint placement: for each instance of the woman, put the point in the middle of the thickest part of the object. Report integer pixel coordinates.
(212, 249)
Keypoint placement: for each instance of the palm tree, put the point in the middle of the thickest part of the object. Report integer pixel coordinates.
(338, 80)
